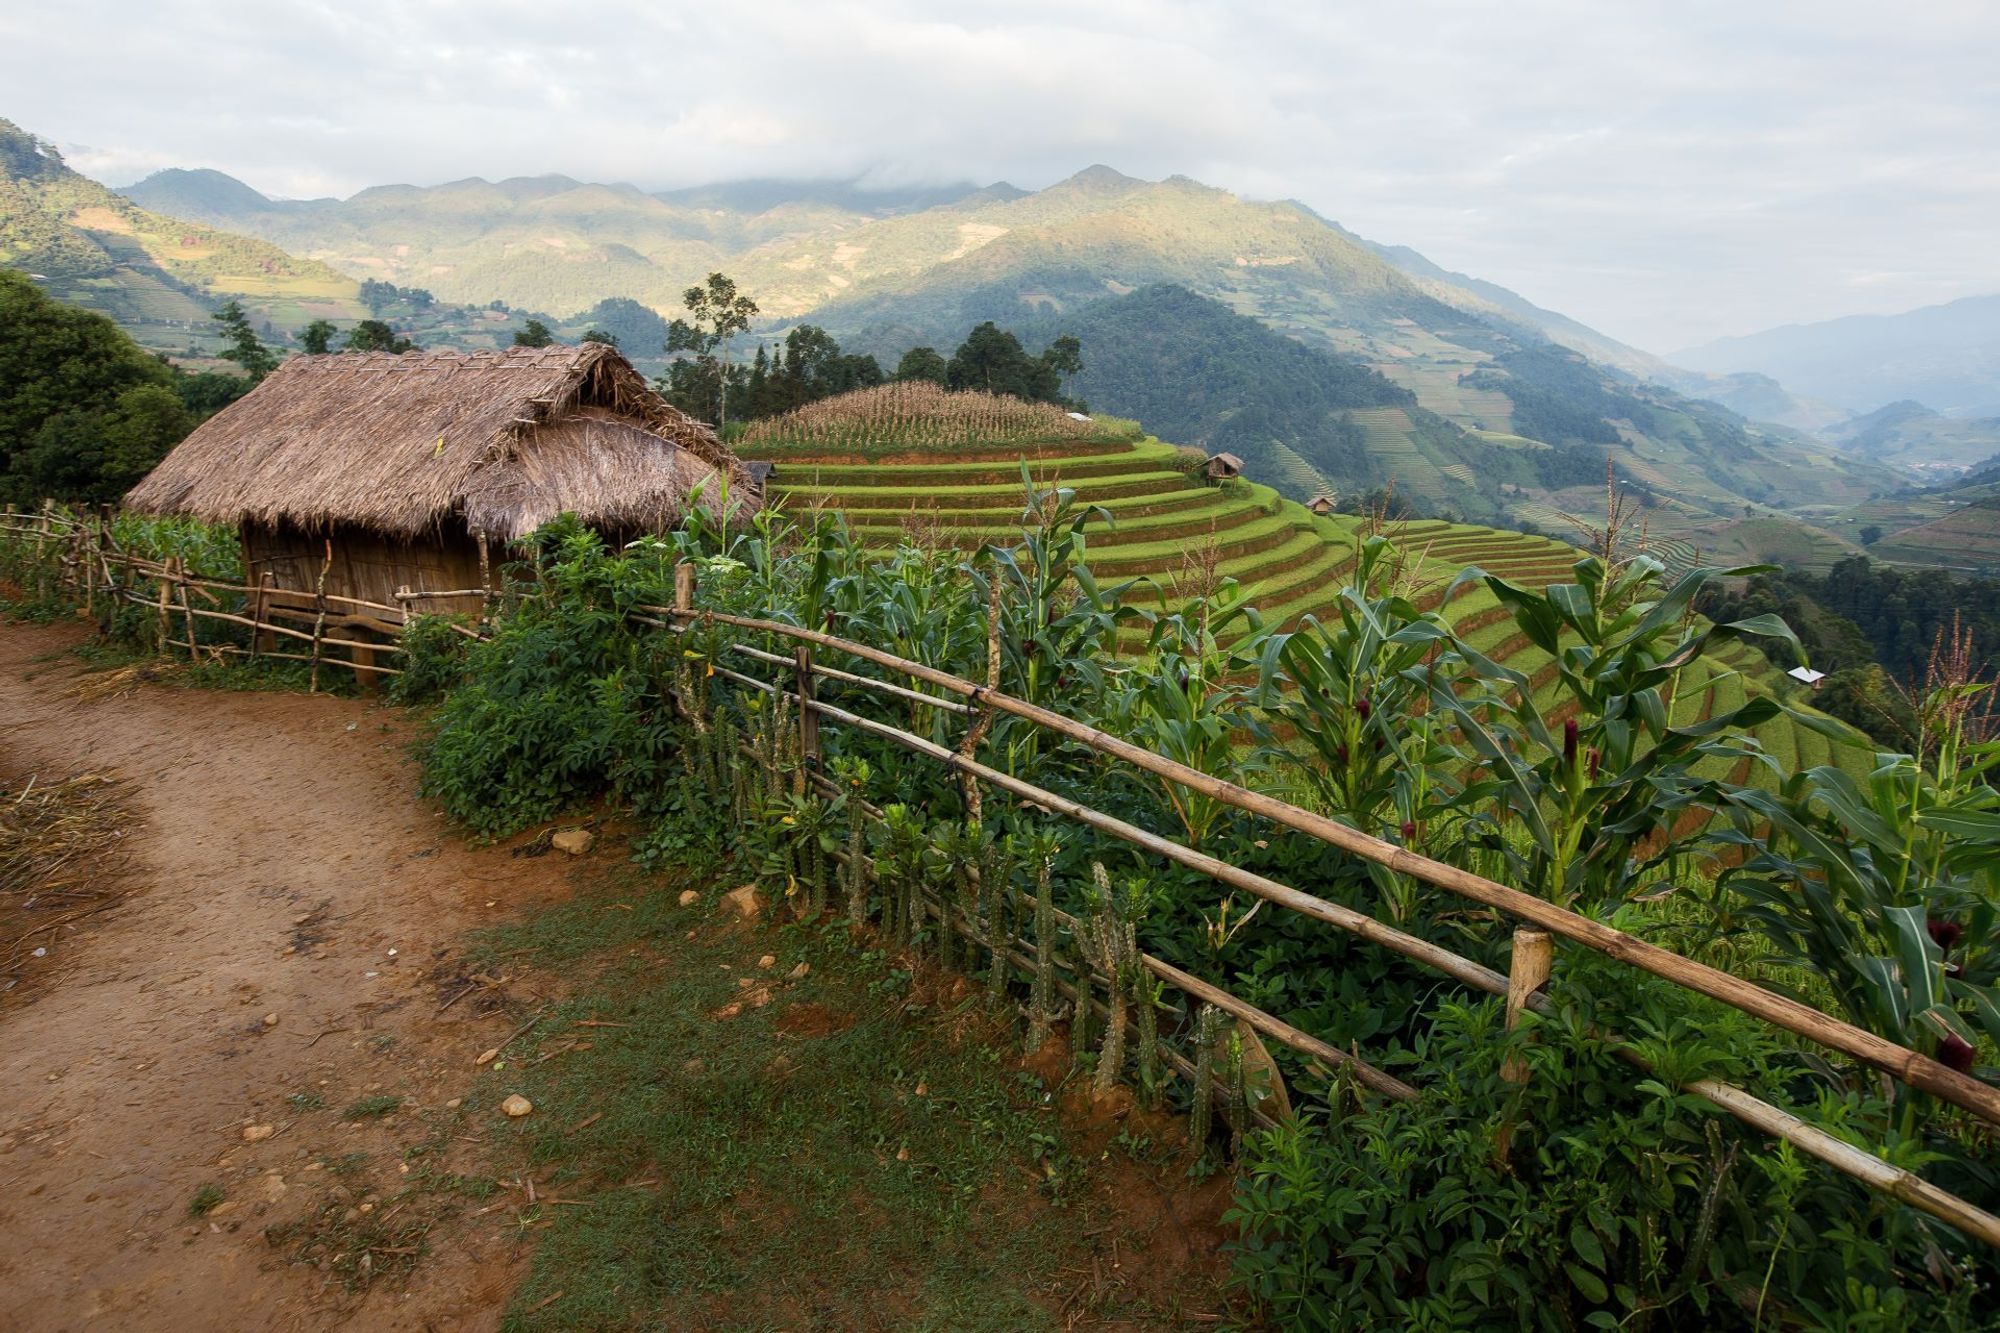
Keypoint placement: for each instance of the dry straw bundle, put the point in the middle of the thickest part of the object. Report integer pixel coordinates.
(919, 413)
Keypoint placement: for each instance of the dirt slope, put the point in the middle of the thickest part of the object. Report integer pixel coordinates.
(278, 856)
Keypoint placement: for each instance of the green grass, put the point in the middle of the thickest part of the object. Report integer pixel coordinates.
(852, 1154)
(371, 1108)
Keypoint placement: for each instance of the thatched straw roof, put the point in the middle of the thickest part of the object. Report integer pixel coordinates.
(399, 444)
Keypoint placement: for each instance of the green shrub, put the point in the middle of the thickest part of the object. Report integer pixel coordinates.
(433, 659)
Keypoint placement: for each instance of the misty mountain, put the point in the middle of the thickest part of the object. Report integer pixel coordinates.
(1945, 356)
(1910, 435)
(1477, 368)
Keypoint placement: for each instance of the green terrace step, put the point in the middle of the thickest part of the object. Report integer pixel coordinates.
(1258, 574)
(1196, 501)
(783, 455)
(1115, 486)
(1174, 532)
(955, 475)
(1138, 515)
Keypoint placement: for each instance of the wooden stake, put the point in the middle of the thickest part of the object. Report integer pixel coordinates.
(187, 607)
(1527, 972)
(165, 633)
(684, 587)
(319, 624)
(802, 675)
(259, 641)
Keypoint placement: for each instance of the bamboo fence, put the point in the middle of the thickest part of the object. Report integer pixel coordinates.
(93, 569)
(89, 566)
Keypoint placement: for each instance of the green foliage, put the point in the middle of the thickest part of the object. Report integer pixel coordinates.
(1575, 1196)
(558, 705)
(63, 371)
(923, 363)
(372, 335)
(433, 659)
(241, 344)
(95, 455)
(534, 333)
(699, 382)
(316, 338)
(992, 360)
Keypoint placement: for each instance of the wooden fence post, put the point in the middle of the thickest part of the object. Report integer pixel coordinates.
(802, 673)
(684, 587)
(187, 606)
(86, 559)
(485, 580)
(257, 635)
(319, 621)
(165, 632)
(1527, 972)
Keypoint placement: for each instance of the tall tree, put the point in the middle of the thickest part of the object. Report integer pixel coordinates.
(241, 344)
(596, 335)
(378, 295)
(533, 334)
(1065, 357)
(372, 335)
(993, 360)
(316, 338)
(922, 363)
(716, 314)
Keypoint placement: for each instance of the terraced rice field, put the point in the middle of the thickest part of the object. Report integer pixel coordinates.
(1164, 524)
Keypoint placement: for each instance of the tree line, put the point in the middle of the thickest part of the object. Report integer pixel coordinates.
(1874, 629)
(707, 382)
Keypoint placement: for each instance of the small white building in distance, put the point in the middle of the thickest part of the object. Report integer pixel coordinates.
(1807, 676)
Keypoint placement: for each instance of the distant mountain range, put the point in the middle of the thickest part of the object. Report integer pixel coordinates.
(99, 249)
(1946, 357)
(1324, 358)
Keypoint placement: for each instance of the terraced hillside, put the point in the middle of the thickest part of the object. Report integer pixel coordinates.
(1168, 525)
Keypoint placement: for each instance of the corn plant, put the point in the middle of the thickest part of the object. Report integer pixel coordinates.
(902, 844)
(1058, 626)
(1579, 813)
(1888, 888)
(917, 414)
(1353, 689)
(1181, 702)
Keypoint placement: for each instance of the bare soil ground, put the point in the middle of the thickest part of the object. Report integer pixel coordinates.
(285, 945)
(248, 1096)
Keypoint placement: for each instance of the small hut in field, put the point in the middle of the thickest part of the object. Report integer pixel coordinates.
(1321, 505)
(417, 471)
(1223, 467)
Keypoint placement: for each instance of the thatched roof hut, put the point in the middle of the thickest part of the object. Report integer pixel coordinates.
(412, 466)
(1222, 467)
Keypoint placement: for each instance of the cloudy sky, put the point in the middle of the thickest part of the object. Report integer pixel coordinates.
(1667, 172)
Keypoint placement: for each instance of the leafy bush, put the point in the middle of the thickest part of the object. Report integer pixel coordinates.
(433, 659)
(560, 704)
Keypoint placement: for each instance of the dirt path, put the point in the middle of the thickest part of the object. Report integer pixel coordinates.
(281, 865)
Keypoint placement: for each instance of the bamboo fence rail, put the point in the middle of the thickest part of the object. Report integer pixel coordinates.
(91, 567)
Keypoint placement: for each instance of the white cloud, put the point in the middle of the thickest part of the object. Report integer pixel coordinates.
(1667, 171)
